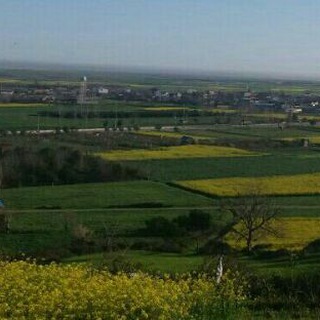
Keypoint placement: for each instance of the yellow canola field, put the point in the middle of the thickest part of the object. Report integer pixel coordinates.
(161, 133)
(312, 139)
(291, 234)
(274, 185)
(30, 291)
(179, 152)
(269, 115)
(222, 110)
(4, 80)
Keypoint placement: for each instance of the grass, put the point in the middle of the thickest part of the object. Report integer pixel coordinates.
(251, 132)
(34, 231)
(166, 108)
(150, 261)
(188, 151)
(99, 195)
(176, 135)
(268, 115)
(123, 220)
(217, 110)
(298, 201)
(289, 162)
(22, 105)
(166, 134)
(287, 265)
(273, 185)
(25, 118)
(312, 139)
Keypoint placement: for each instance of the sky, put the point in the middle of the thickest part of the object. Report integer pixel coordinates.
(254, 36)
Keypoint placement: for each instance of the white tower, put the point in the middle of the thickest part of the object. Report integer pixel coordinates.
(82, 94)
(83, 91)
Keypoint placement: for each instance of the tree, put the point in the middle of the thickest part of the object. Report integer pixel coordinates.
(4, 222)
(252, 216)
(162, 227)
(105, 124)
(197, 224)
(199, 220)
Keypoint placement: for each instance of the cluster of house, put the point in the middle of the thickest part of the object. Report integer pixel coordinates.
(85, 93)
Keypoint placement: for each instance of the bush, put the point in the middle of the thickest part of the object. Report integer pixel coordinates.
(215, 247)
(271, 254)
(313, 247)
(171, 245)
(197, 220)
(148, 245)
(161, 227)
(122, 264)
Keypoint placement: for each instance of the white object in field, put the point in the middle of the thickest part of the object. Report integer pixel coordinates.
(219, 271)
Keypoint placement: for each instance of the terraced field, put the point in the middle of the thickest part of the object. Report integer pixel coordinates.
(99, 195)
(292, 234)
(273, 185)
(166, 108)
(312, 139)
(167, 134)
(22, 105)
(180, 152)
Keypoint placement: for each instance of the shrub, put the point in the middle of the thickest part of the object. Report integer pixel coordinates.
(313, 247)
(161, 227)
(215, 247)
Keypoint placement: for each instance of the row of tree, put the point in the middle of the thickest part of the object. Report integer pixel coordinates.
(27, 166)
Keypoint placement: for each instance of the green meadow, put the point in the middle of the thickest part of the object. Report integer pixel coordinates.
(100, 195)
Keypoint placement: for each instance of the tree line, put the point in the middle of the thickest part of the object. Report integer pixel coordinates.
(27, 166)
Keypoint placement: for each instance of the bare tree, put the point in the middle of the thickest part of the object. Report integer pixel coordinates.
(252, 216)
(111, 237)
(4, 222)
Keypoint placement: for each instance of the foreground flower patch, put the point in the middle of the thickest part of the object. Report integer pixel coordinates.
(31, 291)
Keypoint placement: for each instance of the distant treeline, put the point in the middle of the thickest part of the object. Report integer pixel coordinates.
(26, 166)
(126, 114)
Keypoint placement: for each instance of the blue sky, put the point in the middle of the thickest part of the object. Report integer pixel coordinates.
(267, 36)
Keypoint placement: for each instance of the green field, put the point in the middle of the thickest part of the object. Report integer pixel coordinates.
(39, 231)
(23, 105)
(294, 161)
(150, 261)
(100, 195)
(39, 215)
(260, 132)
(26, 118)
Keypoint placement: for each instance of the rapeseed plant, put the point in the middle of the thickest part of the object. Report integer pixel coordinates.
(31, 291)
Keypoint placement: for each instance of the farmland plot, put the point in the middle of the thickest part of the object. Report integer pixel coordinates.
(290, 233)
(274, 185)
(188, 151)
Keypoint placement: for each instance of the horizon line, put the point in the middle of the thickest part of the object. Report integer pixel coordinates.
(7, 64)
